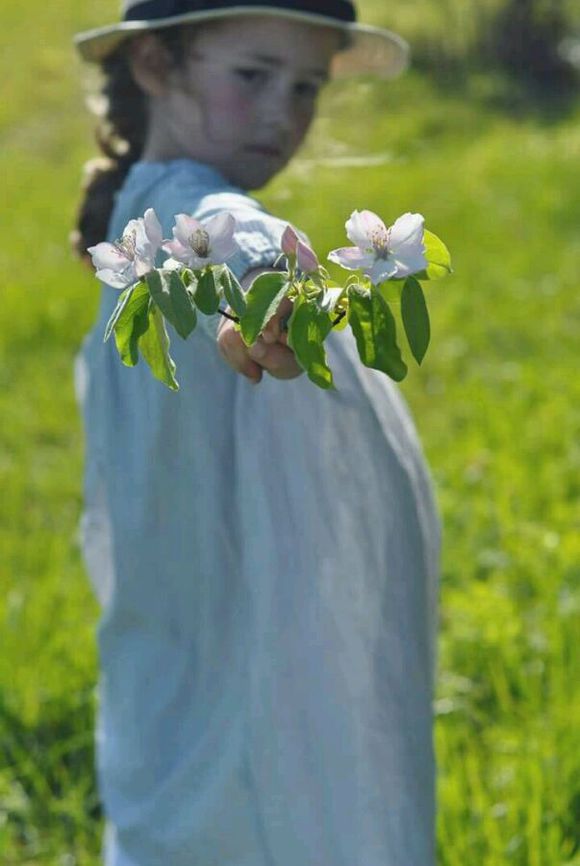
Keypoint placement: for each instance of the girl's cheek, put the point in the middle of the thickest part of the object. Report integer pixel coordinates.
(231, 104)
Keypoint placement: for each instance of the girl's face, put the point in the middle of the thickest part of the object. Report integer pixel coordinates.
(246, 96)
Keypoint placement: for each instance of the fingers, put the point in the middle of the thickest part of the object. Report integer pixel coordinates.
(235, 352)
(273, 332)
(270, 352)
(278, 360)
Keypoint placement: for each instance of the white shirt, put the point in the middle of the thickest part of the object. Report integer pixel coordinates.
(266, 558)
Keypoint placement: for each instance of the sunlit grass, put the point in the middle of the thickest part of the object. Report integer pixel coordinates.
(497, 404)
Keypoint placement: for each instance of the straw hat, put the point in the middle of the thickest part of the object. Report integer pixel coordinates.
(370, 50)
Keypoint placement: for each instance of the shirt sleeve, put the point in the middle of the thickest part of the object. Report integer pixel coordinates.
(258, 237)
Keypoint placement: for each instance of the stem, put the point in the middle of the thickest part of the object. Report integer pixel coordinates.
(227, 316)
(339, 318)
(236, 319)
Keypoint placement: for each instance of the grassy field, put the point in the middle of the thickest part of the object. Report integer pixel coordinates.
(497, 404)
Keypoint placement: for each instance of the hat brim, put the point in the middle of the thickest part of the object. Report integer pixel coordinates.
(371, 50)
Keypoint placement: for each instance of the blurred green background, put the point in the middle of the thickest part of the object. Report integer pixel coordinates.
(483, 137)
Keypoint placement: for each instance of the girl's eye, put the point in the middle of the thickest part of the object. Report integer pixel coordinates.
(307, 89)
(252, 75)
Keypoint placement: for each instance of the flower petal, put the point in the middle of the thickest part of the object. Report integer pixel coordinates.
(351, 258)
(117, 279)
(153, 228)
(407, 232)
(222, 245)
(106, 255)
(383, 269)
(330, 298)
(410, 263)
(197, 263)
(306, 258)
(143, 266)
(289, 241)
(222, 250)
(362, 226)
(220, 227)
(184, 227)
(182, 254)
(172, 265)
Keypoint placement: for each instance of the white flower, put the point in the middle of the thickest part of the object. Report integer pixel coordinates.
(383, 253)
(125, 261)
(197, 244)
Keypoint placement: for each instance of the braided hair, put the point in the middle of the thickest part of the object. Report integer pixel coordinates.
(120, 135)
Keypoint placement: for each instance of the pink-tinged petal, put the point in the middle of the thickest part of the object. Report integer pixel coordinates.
(351, 258)
(176, 249)
(407, 232)
(383, 269)
(222, 245)
(185, 226)
(220, 228)
(289, 241)
(363, 226)
(107, 255)
(117, 279)
(153, 228)
(306, 258)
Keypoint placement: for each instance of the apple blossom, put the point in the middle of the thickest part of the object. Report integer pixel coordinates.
(198, 245)
(294, 247)
(383, 253)
(124, 262)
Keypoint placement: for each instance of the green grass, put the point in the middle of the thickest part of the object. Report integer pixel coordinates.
(497, 403)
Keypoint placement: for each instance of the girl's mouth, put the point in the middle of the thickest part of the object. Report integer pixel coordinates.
(265, 150)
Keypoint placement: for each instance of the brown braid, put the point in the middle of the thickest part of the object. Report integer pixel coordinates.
(120, 135)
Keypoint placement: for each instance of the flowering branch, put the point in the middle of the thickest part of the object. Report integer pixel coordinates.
(195, 279)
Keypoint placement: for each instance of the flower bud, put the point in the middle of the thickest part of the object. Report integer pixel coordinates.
(289, 241)
(306, 258)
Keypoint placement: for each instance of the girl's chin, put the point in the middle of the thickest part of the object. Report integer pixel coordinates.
(255, 173)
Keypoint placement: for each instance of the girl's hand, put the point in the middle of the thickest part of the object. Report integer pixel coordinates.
(269, 353)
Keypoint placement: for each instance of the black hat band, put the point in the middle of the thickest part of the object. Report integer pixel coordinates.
(340, 10)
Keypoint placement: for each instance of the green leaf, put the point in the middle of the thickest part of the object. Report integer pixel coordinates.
(131, 323)
(173, 299)
(438, 258)
(154, 346)
(124, 299)
(375, 332)
(206, 294)
(232, 290)
(415, 318)
(262, 300)
(183, 306)
(307, 329)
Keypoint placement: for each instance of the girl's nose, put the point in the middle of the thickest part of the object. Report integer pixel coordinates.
(278, 109)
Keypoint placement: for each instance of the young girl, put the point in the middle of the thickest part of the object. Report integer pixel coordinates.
(265, 557)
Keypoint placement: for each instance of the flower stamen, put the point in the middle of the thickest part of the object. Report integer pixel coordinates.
(199, 242)
(380, 243)
(127, 245)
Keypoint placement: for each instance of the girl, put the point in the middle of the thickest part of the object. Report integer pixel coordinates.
(265, 557)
